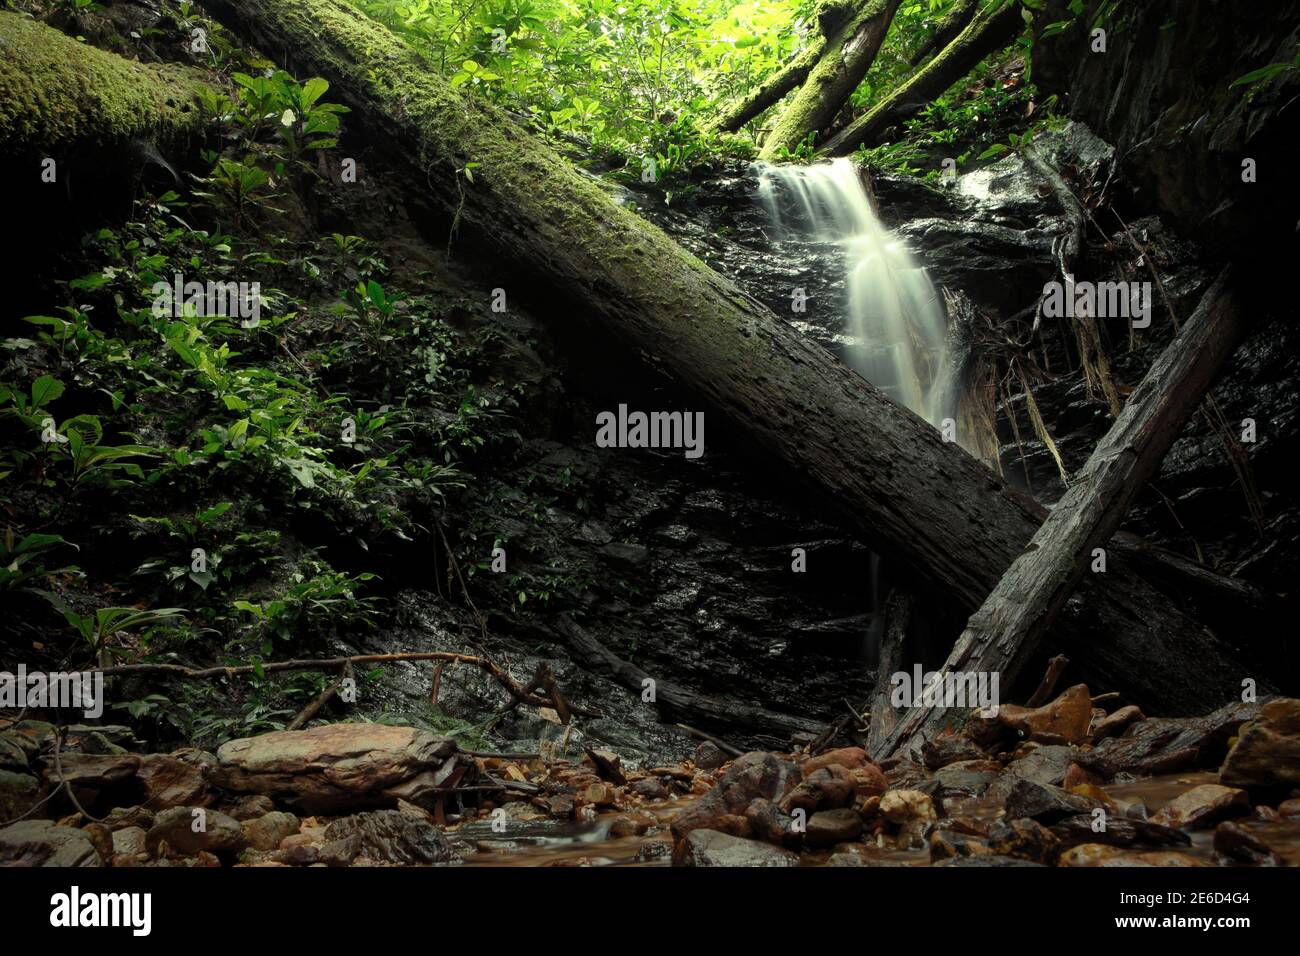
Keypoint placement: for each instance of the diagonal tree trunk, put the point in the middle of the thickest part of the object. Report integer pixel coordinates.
(556, 237)
(1009, 625)
(848, 55)
(987, 33)
(946, 30)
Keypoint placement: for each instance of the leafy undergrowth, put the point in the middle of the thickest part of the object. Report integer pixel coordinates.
(243, 476)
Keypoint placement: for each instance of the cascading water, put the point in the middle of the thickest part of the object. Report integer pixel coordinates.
(898, 328)
(893, 314)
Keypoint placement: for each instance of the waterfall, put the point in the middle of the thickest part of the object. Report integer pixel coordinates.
(893, 315)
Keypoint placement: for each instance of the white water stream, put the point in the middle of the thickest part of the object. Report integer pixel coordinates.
(892, 311)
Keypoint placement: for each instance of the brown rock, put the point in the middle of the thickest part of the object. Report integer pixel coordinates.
(940, 751)
(561, 806)
(336, 767)
(121, 817)
(1026, 839)
(711, 848)
(190, 830)
(709, 756)
(829, 827)
(1267, 752)
(1168, 745)
(1289, 809)
(651, 789)
(250, 807)
(900, 806)
(387, 836)
(949, 844)
(753, 775)
(177, 780)
(129, 842)
(1202, 807)
(850, 758)
(267, 831)
(1068, 717)
(767, 822)
(631, 824)
(599, 794)
(1101, 855)
(1248, 843)
(41, 843)
(828, 788)
(1118, 722)
(101, 838)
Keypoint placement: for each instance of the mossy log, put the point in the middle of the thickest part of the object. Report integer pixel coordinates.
(848, 55)
(987, 33)
(57, 94)
(946, 30)
(731, 116)
(557, 239)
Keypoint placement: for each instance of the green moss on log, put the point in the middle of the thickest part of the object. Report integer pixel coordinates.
(56, 92)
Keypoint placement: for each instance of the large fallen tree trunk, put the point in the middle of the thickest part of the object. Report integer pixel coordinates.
(1006, 630)
(735, 114)
(57, 94)
(848, 55)
(988, 32)
(555, 235)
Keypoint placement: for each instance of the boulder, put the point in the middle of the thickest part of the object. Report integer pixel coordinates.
(711, 848)
(41, 843)
(827, 788)
(389, 836)
(177, 780)
(752, 775)
(1168, 745)
(1267, 752)
(19, 792)
(1202, 807)
(336, 768)
(709, 756)
(768, 822)
(1043, 764)
(266, 832)
(829, 827)
(189, 831)
(850, 758)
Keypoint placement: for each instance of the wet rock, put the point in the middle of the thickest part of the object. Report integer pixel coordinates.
(90, 772)
(869, 781)
(177, 780)
(939, 752)
(947, 844)
(651, 789)
(829, 788)
(1267, 752)
(1167, 745)
(1067, 718)
(19, 792)
(829, 827)
(1103, 855)
(850, 758)
(768, 822)
(1044, 764)
(992, 860)
(101, 837)
(753, 775)
(129, 844)
(121, 817)
(1115, 724)
(1202, 807)
(900, 806)
(390, 836)
(1240, 842)
(631, 824)
(1289, 809)
(266, 832)
(190, 830)
(965, 778)
(1024, 838)
(654, 850)
(608, 765)
(561, 806)
(41, 843)
(335, 767)
(711, 848)
(251, 807)
(599, 795)
(1045, 803)
(904, 774)
(709, 756)
(1118, 831)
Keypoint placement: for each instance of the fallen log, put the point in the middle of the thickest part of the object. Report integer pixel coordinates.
(732, 116)
(1008, 627)
(919, 501)
(991, 30)
(848, 54)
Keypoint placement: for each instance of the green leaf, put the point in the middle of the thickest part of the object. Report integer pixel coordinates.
(45, 390)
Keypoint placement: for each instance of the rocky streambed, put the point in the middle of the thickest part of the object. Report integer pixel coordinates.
(1068, 784)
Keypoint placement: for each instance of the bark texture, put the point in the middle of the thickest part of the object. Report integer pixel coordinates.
(556, 236)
